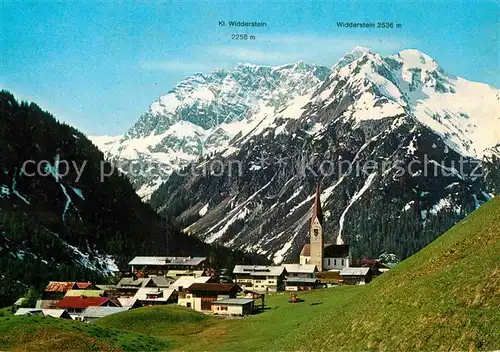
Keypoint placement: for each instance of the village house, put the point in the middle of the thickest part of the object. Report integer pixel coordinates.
(256, 297)
(356, 276)
(162, 265)
(300, 277)
(85, 285)
(179, 273)
(129, 302)
(377, 267)
(109, 291)
(76, 305)
(329, 278)
(200, 296)
(128, 286)
(184, 282)
(155, 296)
(301, 270)
(233, 306)
(55, 313)
(56, 290)
(260, 278)
(29, 312)
(46, 303)
(326, 257)
(91, 314)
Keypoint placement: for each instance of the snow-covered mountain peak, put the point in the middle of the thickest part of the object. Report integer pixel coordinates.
(364, 78)
(360, 51)
(352, 56)
(205, 99)
(223, 110)
(247, 65)
(204, 112)
(465, 114)
(412, 58)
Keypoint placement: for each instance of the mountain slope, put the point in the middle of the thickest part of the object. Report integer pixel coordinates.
(64, 220)
(444, 298)
(395, 143)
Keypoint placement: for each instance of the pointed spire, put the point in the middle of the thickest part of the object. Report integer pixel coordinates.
(317, 211)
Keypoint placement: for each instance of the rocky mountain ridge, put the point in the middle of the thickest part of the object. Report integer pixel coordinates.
(201, 115)
(397, 111)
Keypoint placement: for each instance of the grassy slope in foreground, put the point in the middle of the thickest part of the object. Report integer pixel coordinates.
(445, 297)
(35, 333)
(173, 324)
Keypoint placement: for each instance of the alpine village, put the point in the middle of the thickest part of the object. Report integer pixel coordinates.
(195, 283)
(249, 176)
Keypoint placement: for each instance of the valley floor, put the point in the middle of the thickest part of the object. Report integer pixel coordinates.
(280, 326)
(444, 298)
(325, 321)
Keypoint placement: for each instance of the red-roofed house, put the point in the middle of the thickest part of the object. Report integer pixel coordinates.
(57, 289)
(75, 305)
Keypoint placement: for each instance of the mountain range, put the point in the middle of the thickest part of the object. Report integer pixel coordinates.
(402, 151)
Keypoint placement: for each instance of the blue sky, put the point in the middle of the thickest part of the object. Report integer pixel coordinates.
(98, 65)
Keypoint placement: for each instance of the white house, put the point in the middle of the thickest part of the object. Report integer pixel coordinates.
(233, 306)
(188, 300)
(200, 296)
(301, 270)
(260, 277)
(300, 277)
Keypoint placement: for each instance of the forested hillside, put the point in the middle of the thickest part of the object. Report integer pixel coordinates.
(70, 224)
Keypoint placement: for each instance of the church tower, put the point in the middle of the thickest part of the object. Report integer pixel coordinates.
(316, 232)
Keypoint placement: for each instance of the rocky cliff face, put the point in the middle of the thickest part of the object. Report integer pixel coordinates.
(201, 115)
(394, 141)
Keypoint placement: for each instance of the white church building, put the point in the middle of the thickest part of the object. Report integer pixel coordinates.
(326, 257)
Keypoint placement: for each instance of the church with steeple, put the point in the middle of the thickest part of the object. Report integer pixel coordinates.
(326, 257)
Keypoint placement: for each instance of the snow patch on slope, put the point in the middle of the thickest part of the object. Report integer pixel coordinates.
(354, 198)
